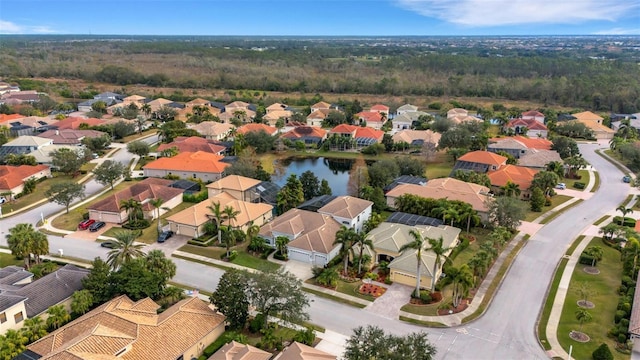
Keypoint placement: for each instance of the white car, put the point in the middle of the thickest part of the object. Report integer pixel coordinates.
(561, 186)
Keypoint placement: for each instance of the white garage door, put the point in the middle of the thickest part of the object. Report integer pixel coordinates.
(298, 255)
(320, 260)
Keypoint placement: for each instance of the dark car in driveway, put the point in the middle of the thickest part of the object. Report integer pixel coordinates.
(85, 224)
(164, 236)
(97, 226)
(108, 244)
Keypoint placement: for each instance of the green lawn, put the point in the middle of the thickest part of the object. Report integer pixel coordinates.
(8, 259)
(143, 161)
(555, 201)
(352, 289)
(481, 235)
(37, 195)
(243, 259)
(334, 298)
(584, 178)
(548, 305)
(605, 299)
(137, 136)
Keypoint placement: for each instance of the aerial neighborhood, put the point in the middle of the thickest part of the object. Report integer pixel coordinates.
(142, 225)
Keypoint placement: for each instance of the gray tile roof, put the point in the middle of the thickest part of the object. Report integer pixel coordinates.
(10, 275)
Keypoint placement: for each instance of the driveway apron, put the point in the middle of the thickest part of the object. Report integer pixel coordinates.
(388, 305)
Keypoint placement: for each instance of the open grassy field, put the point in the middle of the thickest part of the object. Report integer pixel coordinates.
(243, 259)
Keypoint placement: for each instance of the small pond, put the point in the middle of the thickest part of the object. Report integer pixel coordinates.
(335, 171)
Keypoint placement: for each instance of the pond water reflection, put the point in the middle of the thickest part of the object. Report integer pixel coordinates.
(335, 171)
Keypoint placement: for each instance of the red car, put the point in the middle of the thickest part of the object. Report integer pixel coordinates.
(85, 224)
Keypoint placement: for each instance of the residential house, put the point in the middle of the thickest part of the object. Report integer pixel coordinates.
(8, 88)
(455, 112)
(191, 221)
(159, 103)
(276, 107)
(594, 122)
(183, 114)
(308, 134)
(298, 351)
(30, 125)
(531, 128)
(193, 144)
(136, 100)
(517, 146)
(479, 161)
(457, 120)
(519, 175)
(12, 178)
(20, 97)
(406, 179)
(382, 109)
(239, 187)
(24, 145)
(388, 239)
(87, 105)
(364, 136)
(311, 235)
(316, 118)
(446, 188)
(272, 117)
(372, 119)
(538, 159)
(417, 138)
(6, 119)
(128, 330)
(21, 298)
(197, 165)
(237, 351)
(43, 154)
(110, 208)
(533, 115)
(321, 105)
(406, 108)
(407, 119)
(70, 136)
(213, 130)
(75, 123)
(349, 211)
(253, 127)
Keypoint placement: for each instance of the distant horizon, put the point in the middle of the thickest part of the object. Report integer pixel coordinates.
(335, 36)
(321, 17)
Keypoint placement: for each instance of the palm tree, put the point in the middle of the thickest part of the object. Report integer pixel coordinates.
(281, 244)
(440, 252)
(462, 282)
(15, 341)
(596, 252)
(511, 189)
(146, 109)
(346, 238)
(133, 208)
(450, 213)
(58, 316)
(24, 240)
(362, 242)
(124, 249)
(39, 245)
(218, 215)
(418, 245)
(252, 231)
(157, 204)
(229, 240)
(230, 214)
(34, 328)
(583, 316)
(467, 211)
(624, 212)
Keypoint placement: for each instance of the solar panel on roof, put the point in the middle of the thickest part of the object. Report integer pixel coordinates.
(413, 219)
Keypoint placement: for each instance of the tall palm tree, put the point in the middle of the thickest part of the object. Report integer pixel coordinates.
(39, 245)
(34, 328)
(133, 208)
(24, 240)
(462, 282)
(124, 249)
(345, 237)
(230, 214)
(511, 189)
(624, 212)
(281, 244)
(146, 109)
(229, 240)
(417, 244)
(217, 216)
(157, 205)
(58, 316)
(440, 252)
(466, 211)
(450, 214)
(362, 241)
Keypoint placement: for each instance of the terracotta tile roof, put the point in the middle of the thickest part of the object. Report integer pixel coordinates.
(319, 114)
(238, 351)
(134, 98)
(198, 161)
(344, 129)
(457, 112)
(274, 115)
(321, 105)
(256, 127)
(200, 214)
(447, 188)
(35, 121)
(298, 351)
(212, 128)
(311, 231)
(587, 115)
(193, 144)
(197, 101)
(157, 104)
(533, 113)
(458, 119)
(107, 330)
(380, 108)
(409, 136)
(531, 124)
(276, 107)
(13, 176)
(234, 182)
(538, 158)
(74, 122)
(520, 142)
(147, 189)
(483, 157)
(520, 175)
(70, 136)
(305, 131)
(348, 207)
(358, 131)
(4, 118)
(369, 116)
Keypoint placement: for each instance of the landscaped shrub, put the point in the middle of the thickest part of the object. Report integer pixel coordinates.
(579, 185)
(138, 224)
(587, 260)
(436, 297)
(628, 222)
(85, 216)
(255, 325)
(195, 198)
(279, 256)
(622, 338)
(602, 353)
(425, 297)
(388, 281)
(619, 316)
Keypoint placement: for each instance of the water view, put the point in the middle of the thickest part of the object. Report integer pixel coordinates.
(335, 171)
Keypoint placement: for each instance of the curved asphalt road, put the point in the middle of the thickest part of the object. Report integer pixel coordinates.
(507, 329)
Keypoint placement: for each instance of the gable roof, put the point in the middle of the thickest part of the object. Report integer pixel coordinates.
(298, 351)
(587, 116)
(311, 231)
(234, 182)
(276, 107)
(347, 207)
(147, 189)
(409, 136)
(212, 128)
(12, 176)
(531, 124)
(538, 158)
(200, 214)
(198, 161)
(447, 188)
(251, 127)
(520, 175)
(70, 136)
(237, 351)
(319, 114)
(305, 132)
(193, 144)
(121, 323)
(74, 122)
(483, 157)
(520, 143)
(321, 105)
(380, 108)
(32, 141)
(533, 113)
(197, 101)
(370, 116)
(407, 107)
(12, 274)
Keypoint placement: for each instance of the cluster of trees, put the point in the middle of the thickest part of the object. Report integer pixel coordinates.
(372, 342)
(489, 250)
(25, 241)
(453, 212)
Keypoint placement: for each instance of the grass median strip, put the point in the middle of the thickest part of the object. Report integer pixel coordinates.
(334, 298)
(559, 212)
(225, 268)
(432, 324)
(548, 304)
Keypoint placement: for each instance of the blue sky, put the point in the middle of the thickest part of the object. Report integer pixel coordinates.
(321, 17)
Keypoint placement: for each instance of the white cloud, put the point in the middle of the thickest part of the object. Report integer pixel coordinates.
(618, 31)
(518, 12)
(8, 27)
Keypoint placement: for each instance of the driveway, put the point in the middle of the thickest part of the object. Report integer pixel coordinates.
(388, 305)
(89, 235)
(168, 247)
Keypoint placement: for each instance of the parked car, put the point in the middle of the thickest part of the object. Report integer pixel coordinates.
(107, 244)
(561, 186)
(626, 179)
(164, 236)
(2, 200)
(97, 226)
(85, 224)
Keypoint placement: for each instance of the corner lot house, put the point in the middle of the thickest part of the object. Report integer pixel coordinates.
(311, 235)
(21, 299)
(128, 330)
(387, 240)
(108, 209)
(12, 178)
(197, 165)
(594, 122)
